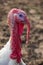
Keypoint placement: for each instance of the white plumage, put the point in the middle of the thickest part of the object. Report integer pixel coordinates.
(4, 56)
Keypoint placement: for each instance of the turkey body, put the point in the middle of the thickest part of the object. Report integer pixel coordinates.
(5, 56)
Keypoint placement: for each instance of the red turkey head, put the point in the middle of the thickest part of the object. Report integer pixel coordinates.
(18, 16)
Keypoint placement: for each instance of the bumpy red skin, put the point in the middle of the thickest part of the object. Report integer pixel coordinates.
(16, 32)
(16, 44)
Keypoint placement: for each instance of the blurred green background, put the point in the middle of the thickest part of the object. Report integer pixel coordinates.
(33, 53)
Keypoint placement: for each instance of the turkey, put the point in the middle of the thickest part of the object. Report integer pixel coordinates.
(11, 54)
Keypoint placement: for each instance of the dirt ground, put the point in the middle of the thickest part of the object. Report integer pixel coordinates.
(33, 53)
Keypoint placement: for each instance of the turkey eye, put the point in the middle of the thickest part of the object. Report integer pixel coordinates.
(21, 15)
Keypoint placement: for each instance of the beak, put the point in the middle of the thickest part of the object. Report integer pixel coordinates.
(28, 29)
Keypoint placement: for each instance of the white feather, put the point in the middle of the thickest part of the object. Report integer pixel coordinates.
(5, 56)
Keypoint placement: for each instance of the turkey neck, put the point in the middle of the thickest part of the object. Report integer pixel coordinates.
(15, 37)
(15, 44)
